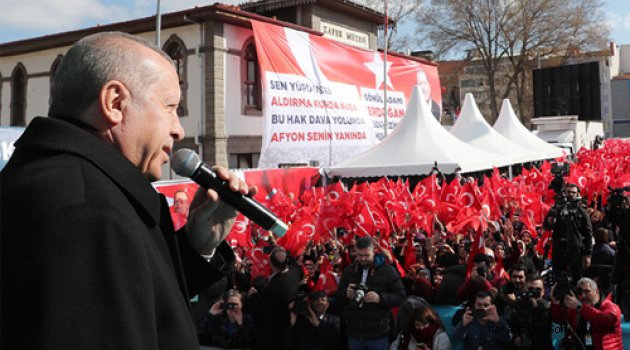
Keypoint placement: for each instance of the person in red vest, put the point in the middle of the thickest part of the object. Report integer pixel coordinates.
(592, 317)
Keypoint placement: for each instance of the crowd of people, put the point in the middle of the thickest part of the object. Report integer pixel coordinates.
(383, 297)
(91, 257)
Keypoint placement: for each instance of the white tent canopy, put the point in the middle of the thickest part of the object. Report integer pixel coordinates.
(511, 127)
(472, 128)
(414, 146)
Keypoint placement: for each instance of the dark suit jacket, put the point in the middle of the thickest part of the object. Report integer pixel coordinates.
(271, 310)
(304, 336)
(89, 256)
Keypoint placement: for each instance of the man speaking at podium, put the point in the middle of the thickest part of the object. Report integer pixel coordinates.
(90, 259)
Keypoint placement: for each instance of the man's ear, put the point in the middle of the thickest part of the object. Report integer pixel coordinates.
(113, 98)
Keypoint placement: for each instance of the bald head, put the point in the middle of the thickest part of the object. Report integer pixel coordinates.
(96, 59)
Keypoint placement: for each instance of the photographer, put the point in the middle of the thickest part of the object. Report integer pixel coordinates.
(368, 289)
(618, 213)
(589, 315)
(479, 279)
(481, 326)
(227, 326)
(531, 320)
(572, 236)
(311, 327)
(511, 290)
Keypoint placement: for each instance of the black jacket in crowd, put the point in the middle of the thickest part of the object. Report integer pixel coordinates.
(305, 336)
(371, 321)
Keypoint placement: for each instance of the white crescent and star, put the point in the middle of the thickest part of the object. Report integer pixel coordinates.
(485, 209)
(334, 195)
(241, 225)
(470, 198)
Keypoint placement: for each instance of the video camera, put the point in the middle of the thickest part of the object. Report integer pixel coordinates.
(300, 304)
(228, 306)
(617, 199)
(359, 294)
(482, 271)
(560, 169)
(618, 209)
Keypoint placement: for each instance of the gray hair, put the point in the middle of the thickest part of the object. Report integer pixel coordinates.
(91, 63)
(590, 282)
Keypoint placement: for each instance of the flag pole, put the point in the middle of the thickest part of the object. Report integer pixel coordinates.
(158, 25)
(385, 72)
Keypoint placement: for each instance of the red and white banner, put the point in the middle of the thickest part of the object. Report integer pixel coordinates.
(324, 101)
(278, 190)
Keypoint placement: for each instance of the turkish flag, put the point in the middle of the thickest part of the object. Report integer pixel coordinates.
(364, 224)
(478, 246)
(260, 260)
(241, 233)
(328, 280)
(450, 192)
(578, 176)
(468, 197)
(410, 253)
(299, 233)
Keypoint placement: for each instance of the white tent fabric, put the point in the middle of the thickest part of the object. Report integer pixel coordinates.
(414, 146)
(511, 127)
(472, 128)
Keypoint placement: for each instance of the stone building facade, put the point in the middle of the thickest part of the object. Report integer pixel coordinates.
(215, 55)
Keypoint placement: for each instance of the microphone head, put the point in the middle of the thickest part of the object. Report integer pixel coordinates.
(185, 162)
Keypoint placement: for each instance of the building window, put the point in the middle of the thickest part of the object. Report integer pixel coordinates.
(243, 160)
(53, 71)
(176, 49)
(251, 78)
(18, 96)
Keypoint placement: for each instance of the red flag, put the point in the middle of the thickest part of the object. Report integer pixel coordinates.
(241, 233)
(327, 281)
(300, 232)
(410, 252)
(364, 223)
(468, 197)
(544, 240)
(260, 260)
(427, 189)
(578, 176)
(478, 246)
(450, 192)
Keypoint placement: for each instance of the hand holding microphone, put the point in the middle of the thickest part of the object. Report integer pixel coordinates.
(230, 190)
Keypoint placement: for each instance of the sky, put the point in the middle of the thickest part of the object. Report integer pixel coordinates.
(24, 19)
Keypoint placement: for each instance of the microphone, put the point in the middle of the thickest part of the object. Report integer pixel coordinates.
(186, 163)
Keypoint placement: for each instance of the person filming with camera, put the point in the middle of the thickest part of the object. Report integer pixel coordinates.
(530, 321)
(227, 326)
(481, 326)
(572, 238)
(368, 289)
(311, 327)
(592, 319)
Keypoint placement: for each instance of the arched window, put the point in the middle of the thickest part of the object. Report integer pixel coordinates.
(176, 49)
(53, 70)
(18, 96)
(251, 78)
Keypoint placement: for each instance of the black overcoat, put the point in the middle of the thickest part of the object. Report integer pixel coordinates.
(89, 256)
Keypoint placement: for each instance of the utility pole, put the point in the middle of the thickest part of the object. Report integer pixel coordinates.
(158, 25)
(385, 40)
